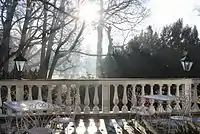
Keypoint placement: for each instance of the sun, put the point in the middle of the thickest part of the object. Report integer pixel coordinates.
(89, 12)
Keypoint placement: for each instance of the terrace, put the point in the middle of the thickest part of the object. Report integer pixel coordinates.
(104, 99)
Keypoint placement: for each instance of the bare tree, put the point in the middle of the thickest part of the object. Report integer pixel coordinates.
(123, 15)
(41, 26)
(53, 29)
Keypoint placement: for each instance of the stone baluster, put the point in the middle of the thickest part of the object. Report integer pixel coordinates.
(142, 90)
(77, 100)
(168, 90)
(50, 89)
(9, 93)
(106, 98)
(195, 100)
(58, 94)
(68, 101)
(151, 101)
(87, 100)
(40, 92)
(9, 98)
(187, 94)
(20, 92)
(160, 108)
(96, 100)
(168, 107)
(125, 100)
(151, 89)
(30, 92)
(177, 106)
(143, 100)
(115, 99)
(133, 100)
(160, 90)
(143, 93)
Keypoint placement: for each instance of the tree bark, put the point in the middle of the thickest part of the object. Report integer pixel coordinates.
(44, 41)
(99, 40)
(7, 25)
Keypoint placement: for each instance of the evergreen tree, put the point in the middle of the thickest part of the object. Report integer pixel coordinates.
(151, 55)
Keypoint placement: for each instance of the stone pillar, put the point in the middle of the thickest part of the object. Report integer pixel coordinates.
(106, 98)
(19, 92)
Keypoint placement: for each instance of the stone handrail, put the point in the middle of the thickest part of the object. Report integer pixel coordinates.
(108, 95)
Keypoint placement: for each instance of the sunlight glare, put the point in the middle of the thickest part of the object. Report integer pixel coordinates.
(89, 12)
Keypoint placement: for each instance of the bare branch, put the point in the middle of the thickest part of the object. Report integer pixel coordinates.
(88, 54)
(59, 9)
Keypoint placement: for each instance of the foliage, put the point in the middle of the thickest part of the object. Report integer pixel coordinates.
(153, 55)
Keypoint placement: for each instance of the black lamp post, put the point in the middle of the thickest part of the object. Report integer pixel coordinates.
(186, 63)
(20, 62)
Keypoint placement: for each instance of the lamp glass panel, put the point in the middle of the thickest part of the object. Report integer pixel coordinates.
(20, 65)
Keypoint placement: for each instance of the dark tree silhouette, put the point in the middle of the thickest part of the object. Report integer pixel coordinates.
(151, 55)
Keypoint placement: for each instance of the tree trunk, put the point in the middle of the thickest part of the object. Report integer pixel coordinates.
(44, 41)
(25, 26)
(7, 25)
(99, 41)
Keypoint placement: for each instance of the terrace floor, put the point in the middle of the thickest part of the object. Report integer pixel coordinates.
(107, 126)
(110, 125)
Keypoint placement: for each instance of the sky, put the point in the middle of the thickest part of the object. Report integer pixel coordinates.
(164, 12)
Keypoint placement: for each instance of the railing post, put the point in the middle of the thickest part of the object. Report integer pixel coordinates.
(30, 92)
(151, 107)
(187, 94)
(50, 89)
(194, 96)
(177, 101)
(96, 100)
(58, 94)
(86, 100)
(125, 100)
(133, 100)
(19, 92)
(106, 98)
(168, 107)
(68, 100)
(9, 98)
(40, 92)
(115, 99)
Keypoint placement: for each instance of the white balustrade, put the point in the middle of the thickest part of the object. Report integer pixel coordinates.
(19, 92)
(40, 92)
(96, 100)
(50, 89)
(115, 99)
(68, 100)
(30, 92)
(168, 90)
(73, 103)
(177, 106)
(160, 90)
(124, 100)
(87, 101)
(195, 100)
(58, 94)
(133, 100)
(9, 93)
(168, 107)
(151, 107)
(143, 100)
(77, 104)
